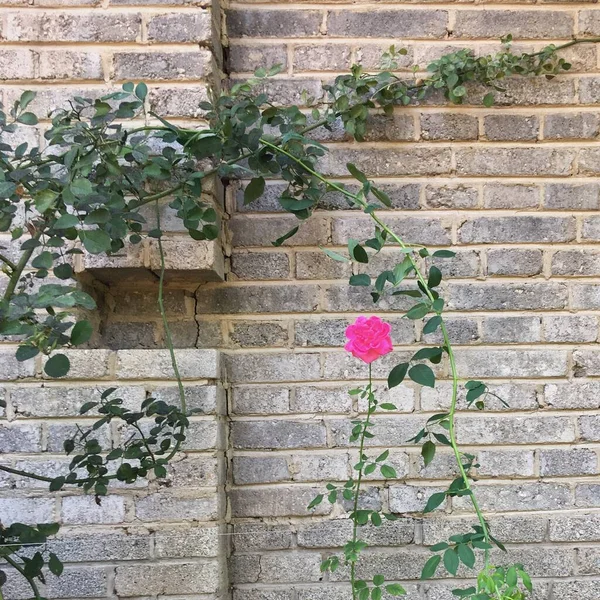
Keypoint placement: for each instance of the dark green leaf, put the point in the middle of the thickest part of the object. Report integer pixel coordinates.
(316, 501)
(26, 352)
(464, 593)
(141, 91)
(360, 280)
(57, 366)
(255, 189)
(82, 332)
(432, 324)
(397, 375)
(95, 241)
(423, 375)
(466, 555)
(434, 501)
(283, 238)
(356, 173)
(488, 100)
(63, 271)
(395, 589)
(27, 118)
(444, 254)
(388, 472)
(378, 580)
(451, 561)
(430, 567)
(66, 221)
(418, 311)
(428, 452)
(435, 277)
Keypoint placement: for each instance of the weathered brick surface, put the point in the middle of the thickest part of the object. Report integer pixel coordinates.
(513, 187)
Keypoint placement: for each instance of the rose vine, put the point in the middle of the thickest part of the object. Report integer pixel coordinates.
(87, 190)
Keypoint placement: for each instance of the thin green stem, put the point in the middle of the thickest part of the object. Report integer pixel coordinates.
(361, 450)
(447, 343)
(11, 265)
(18, 567)
(20, 267)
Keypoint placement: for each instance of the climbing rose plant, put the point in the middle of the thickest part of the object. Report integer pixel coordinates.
(89, 188)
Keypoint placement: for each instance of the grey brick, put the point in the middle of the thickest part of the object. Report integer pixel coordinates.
(514, 261)
(301, 91)
(129, 335)
(316, 265)
(251, 334)
(591, 228)
(568, 196)
(369, 55)
(165, 507)
(343, 366)
(511, 330)
(499, 429)
(589, 427)
(586, 363)
(330, 57)
(449, 126)
(415, 230)
(533, 162)
(156, 364)
(571, 328)
(72, 27)
(68, 64)
(135, 303)
(466, 263)
(576, 263)
(521, 497)
(423, 24)
(177, 578)
(182, 28)
(574, 461)
(85, 364)
(388, 431)
(277, 434)
(390, 162)
(20, 438)
(27, 510)
(256, 368)
(289, 568)
(179, 102)
(273, 23)
(17, 64)
(589, 22)
(84, 509)
(587, 495)
(208, 399)
(589, 560)
(524, 24)
(575, 126)
(498, 230)
(511, 463)
(194, 471)
(508, 296)
(586, 296)
(575, 528)
(187, 542)
(101, 546)
(260, 400)
(261, 536)
(512, 363)
(507, 195)
(248, 58)
(260, 265)
(511, 127)
(317, 399)
(11, 369)
(58, 431)
(411, 498)
(276, 502)
(79, 582)
(180, 66)
(394, 128)
(574, 395)
(322, 332)
(451, 196)
(260, 469)
(460, 332)
(319, 467)
(249, 232)
(585, 589)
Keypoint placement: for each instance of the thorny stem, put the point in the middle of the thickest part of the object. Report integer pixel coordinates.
(18, 567)
(359, 479)
(447, 344)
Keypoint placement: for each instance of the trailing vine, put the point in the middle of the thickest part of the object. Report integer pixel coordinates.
(85, 191)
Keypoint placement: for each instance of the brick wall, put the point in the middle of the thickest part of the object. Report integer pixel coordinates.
(513, 190)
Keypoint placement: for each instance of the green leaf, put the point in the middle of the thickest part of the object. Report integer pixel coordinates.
(141, 91)
(395, 589)
(55, 565)
(388, 406)
(511, 577)
(357, 252)
(44, 200)
(57, 366)
(95, 241)
(388, 472)
(418, 311)
(440, 546)
(488, 100)
(526, 580)
(80, 188)
(81, 333)
(428, 452)
(397, 375)
(279, 241)
(434, 501)
(382, 197)
(435, 277)
(360, 280)
(444, 254)
(26, 352)
(430, 566)
(43, 260)
(7, 189)
(27, 118)
(316, 501)
(466, 555)
(451, 561)
(423, 375)
(255, 189)
(376, 593)
(356, 173)
(63, 271)
(464, 593)
(66, 222)
(26, 99)
(432, 324)
(335, 255)
(378, 580)
(376, 519)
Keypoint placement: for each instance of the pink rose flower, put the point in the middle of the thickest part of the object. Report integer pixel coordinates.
(368, 339)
